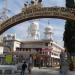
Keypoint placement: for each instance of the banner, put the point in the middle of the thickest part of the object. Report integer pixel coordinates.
(8, 59)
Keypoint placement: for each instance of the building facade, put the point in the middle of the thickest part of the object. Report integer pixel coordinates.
(44, 51)
(10, 43)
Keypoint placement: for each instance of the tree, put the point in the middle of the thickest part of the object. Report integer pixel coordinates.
(70, 3)
(69, 32)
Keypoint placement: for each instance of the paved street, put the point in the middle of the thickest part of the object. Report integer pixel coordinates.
(45, 71)
(37, 71)
(42, 71)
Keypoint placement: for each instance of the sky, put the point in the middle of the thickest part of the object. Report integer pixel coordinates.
(15, 6)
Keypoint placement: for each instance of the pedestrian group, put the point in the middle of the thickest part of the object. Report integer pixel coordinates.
(27, 65)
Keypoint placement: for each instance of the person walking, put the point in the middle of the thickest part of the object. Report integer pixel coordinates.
(64, 62)
(30, 62)
(24, 66)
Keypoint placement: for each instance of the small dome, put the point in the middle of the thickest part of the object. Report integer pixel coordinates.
(34, 26)
(48, 28)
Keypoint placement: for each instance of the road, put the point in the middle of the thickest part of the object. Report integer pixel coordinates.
(46, 71)
(42, 71)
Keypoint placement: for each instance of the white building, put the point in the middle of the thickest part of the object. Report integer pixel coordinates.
(10, 43)
(44, 50)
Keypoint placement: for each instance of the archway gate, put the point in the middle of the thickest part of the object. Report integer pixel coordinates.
(35, 12)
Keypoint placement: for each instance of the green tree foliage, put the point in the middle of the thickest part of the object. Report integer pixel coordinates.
(69, 32)
(70, 3)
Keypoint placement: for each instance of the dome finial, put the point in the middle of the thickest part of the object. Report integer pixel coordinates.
(48, 22)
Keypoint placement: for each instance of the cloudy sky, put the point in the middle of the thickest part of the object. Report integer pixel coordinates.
(15, 6)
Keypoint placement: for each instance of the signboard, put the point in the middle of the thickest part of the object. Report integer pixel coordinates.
(8, 59)
(47, 49)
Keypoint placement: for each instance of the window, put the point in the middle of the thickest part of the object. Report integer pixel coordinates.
(51, 44)
(46, 44)
(26, 49)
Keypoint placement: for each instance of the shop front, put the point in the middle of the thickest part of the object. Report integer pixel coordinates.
(41, 60)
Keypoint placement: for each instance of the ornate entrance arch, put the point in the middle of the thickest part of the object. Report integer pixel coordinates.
(35, 12)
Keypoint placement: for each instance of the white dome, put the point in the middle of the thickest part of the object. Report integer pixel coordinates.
(48, 28)
(34, 26)
(33, 30)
